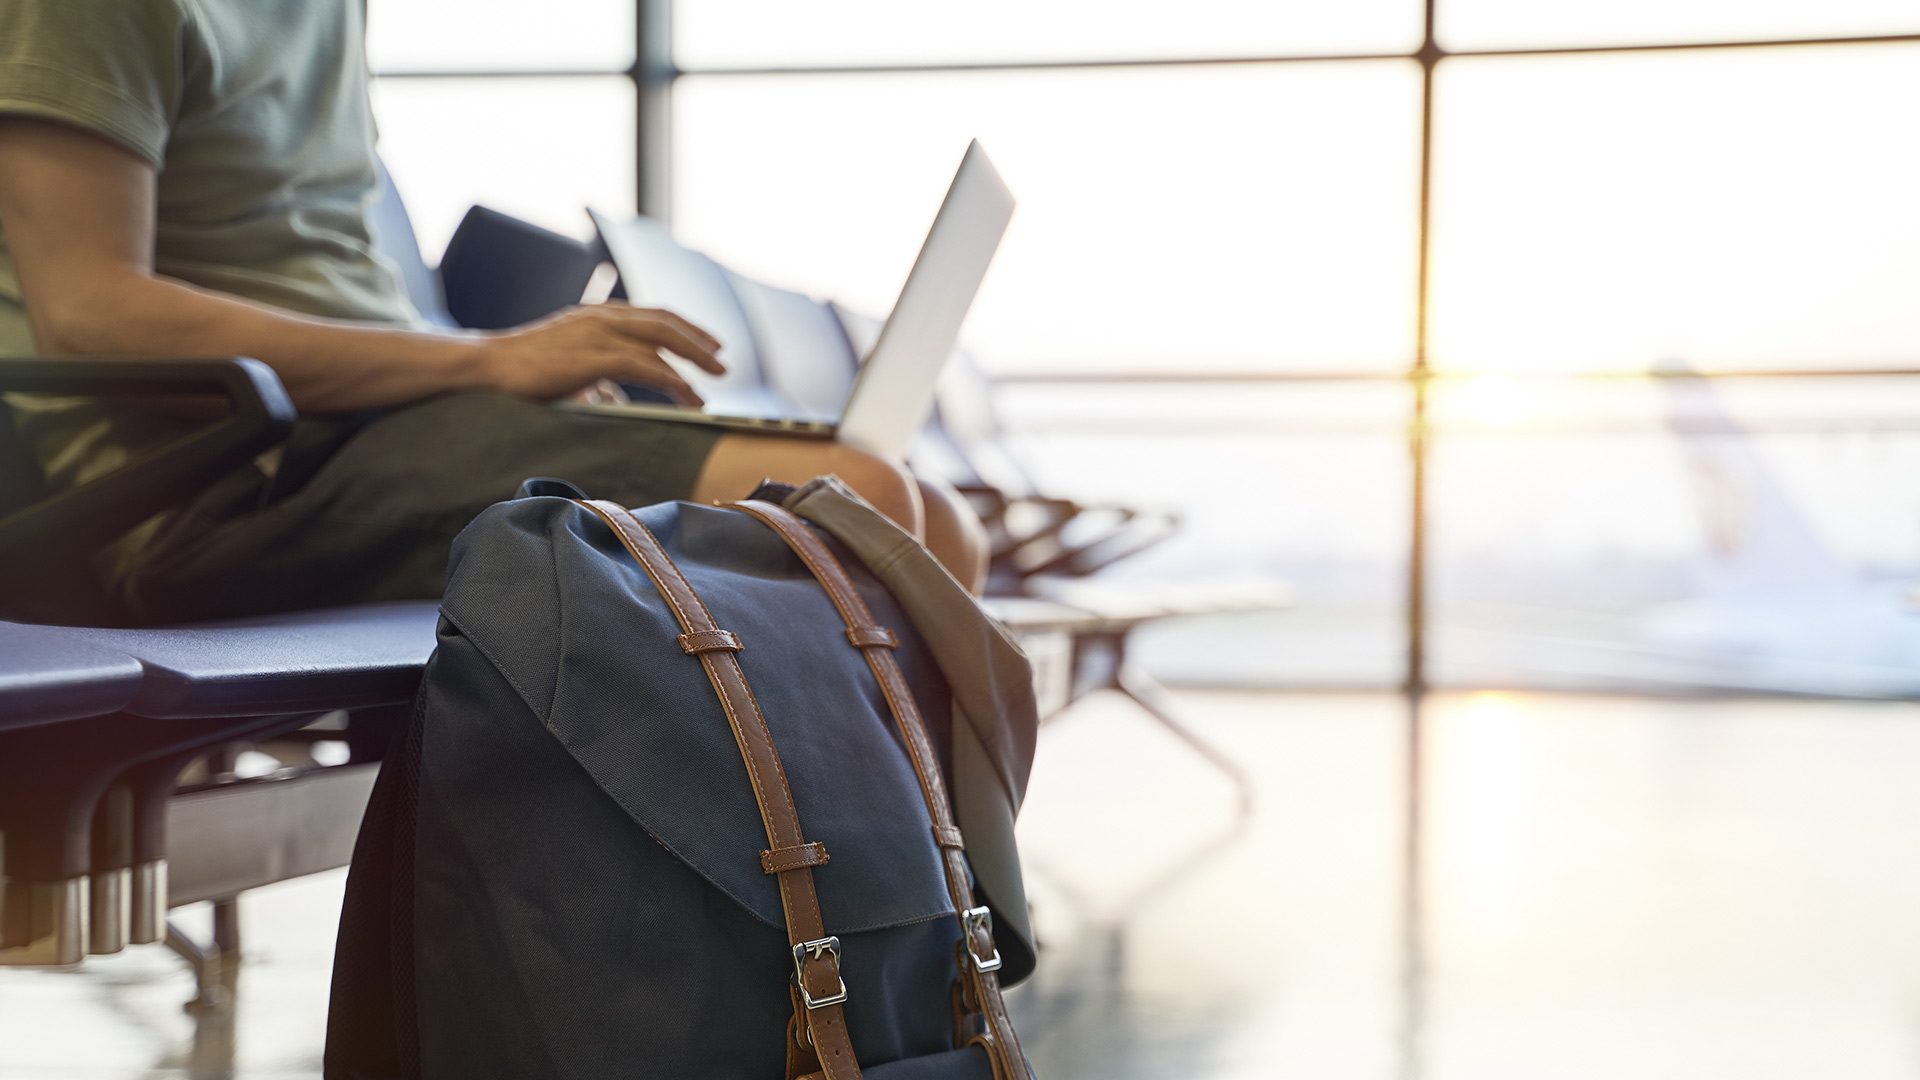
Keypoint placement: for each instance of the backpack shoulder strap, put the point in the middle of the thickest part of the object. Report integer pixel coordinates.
(978, 961)
(819, 989)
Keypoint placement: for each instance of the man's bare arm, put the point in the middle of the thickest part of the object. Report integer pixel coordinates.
(78, 214)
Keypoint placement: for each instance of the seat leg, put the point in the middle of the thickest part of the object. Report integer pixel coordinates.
(209, 993)
(147, 908)
(49, 813)
(45, 923)
(152, 783)
(216, 968)
(226, 936)
(216, 965)
(110, 886)
(1145, 691)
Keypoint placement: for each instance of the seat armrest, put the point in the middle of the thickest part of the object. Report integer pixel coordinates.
(86, 516)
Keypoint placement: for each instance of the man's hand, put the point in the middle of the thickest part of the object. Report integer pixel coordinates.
(569, 350)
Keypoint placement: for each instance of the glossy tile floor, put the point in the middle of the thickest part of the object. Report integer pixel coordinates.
(1613, 887)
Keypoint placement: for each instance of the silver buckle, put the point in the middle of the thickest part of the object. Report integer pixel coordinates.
(818, 949)
(979, 919)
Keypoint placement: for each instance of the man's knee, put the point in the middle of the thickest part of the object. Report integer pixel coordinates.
(954, 533)
(887, 485)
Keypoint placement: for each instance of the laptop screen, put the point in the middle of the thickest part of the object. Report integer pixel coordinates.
(894, 393)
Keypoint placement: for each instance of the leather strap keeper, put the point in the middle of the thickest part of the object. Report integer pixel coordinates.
(699, 641)
(871, 636)
(778, 860)
(948, 837)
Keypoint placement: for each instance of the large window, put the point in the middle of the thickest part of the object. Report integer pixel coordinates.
(1260, 245)
(1735, 207)
(529, 110)
(1232, 217)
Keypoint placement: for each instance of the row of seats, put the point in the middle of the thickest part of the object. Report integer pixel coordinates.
(97, 721)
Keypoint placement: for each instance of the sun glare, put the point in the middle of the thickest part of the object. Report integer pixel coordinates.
(1496, 401)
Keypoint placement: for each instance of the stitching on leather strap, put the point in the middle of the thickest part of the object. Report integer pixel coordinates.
(699, 641)
(793, 858)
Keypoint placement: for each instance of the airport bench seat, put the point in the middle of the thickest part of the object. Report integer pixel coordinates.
(299, 662)
(91, 748)
(47, 675)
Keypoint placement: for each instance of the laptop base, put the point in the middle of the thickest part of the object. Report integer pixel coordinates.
(759, 425)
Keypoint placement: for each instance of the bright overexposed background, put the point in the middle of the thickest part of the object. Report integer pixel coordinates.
(1189, 218)
(1492, 24)
(1180, 219)
(738, 34)
(1739, 209)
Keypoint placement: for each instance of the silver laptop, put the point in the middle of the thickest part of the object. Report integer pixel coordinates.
(893, 392)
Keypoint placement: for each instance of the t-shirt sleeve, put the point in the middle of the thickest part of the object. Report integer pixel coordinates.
(110, 67)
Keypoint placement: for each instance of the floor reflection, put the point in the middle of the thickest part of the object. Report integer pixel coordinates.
(1614, 887)
(1676, 888)
(1167, 953)
(125, 1016)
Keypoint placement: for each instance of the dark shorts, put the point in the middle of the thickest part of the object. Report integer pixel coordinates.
(367, 510)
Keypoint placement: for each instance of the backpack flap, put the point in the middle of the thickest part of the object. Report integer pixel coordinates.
(547, 592)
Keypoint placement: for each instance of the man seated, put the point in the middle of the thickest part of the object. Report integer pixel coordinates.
(184, 180)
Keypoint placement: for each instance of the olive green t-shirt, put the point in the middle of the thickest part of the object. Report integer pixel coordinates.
(255, 114)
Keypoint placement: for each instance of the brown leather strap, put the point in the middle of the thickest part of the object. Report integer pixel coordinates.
(816, 956)
(976, 959)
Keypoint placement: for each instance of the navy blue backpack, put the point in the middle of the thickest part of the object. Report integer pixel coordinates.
(694, 791)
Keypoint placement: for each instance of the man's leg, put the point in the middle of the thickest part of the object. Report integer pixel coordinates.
(954, 533)
(931, 511)
(739, 462)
